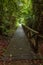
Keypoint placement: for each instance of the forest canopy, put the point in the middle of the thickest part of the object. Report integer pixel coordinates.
(14, 12)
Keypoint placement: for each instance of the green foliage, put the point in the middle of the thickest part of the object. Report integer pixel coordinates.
(8, 17)
(14, 12)
(34, 15)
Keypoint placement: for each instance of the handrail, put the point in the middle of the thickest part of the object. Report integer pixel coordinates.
(33, 31)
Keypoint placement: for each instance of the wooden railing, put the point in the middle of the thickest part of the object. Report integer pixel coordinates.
(33, 36)
(34, 31)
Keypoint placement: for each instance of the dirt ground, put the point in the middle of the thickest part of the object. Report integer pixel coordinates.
(22, 62)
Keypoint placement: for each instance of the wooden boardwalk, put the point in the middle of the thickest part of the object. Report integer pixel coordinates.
(19, 47)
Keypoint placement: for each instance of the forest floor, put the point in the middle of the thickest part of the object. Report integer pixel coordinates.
(22, 62)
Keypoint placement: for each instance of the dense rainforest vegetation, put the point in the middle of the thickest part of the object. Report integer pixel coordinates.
(13, 12)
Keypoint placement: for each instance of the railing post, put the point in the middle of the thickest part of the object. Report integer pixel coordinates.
(36, 46)
(30, 34)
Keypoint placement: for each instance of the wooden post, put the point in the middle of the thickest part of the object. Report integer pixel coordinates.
(36, 46)
(30, 36)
